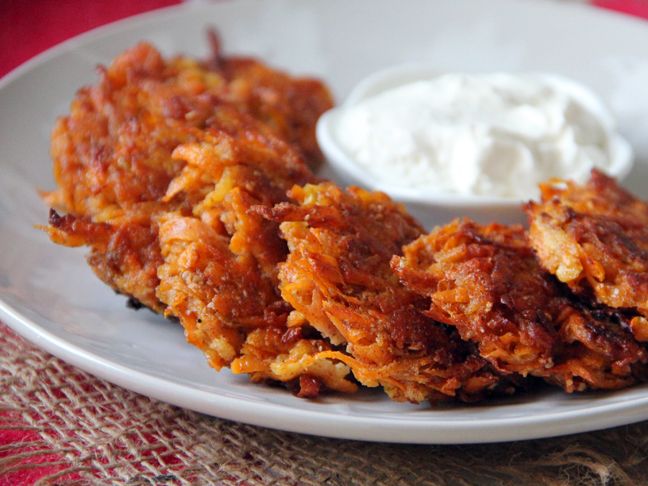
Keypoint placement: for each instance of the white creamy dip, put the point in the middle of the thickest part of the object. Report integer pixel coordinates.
(490, 134)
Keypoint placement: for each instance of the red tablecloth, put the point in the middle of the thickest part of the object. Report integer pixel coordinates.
(28, 27)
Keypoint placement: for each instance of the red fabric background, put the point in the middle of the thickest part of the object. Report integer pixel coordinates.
(637, 8)
(28, 27)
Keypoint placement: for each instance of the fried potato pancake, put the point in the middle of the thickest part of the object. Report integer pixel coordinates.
(158, 166)
(485, 280)
(219, 275)
(289, 106)
(124, 255)
(232, 313)
(113, 154)
(338, 279)
(594, 238)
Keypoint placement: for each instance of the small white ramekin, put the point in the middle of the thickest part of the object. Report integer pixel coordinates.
(433, 208)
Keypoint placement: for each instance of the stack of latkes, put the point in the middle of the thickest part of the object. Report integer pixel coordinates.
(192, 184)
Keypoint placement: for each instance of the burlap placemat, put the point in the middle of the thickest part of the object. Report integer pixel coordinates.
(91, 432)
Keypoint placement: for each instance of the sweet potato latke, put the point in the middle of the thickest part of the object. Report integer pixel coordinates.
(157, 167)
(486, 281)
(338, 279)
(594, 237)
(114, 154)
(219, 275)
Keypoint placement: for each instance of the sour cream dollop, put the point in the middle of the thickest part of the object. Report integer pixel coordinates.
(488, 134)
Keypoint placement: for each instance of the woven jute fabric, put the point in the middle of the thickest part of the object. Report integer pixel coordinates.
(98, 433)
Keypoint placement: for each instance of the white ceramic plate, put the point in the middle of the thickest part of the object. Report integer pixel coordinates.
(50, 296)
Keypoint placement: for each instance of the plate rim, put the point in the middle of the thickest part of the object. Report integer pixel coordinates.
(317, 423)
(170, 10)
(274, 415)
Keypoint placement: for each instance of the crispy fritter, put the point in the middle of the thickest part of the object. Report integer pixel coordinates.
(114, 154)
(338, 279)
(220, 264)
(594, 238)
(126, 256)
(219, 275)
(486, 281)
(289, 106)
(231, 311)
(158, 167)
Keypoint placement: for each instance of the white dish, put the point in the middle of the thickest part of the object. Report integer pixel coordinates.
(49, 295)
(430, 206)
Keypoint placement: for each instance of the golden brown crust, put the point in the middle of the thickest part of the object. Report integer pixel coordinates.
(289, 106)
(219, 274)
(337, 277)
(123, 144)
(486, 281)
(594, 237)
(158, 166)
(175, 173)
(124, 256)
(230, 309)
